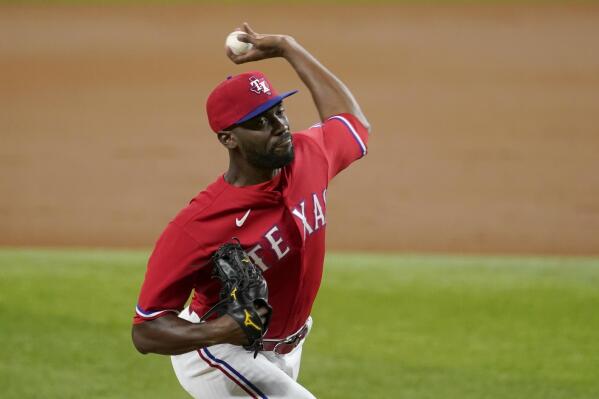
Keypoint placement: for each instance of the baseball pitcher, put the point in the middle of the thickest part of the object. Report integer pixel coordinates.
(250, 246)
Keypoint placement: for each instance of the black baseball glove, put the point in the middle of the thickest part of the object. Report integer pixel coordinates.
(243, 292)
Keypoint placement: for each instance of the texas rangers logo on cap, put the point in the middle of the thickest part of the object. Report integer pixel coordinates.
(259, 86)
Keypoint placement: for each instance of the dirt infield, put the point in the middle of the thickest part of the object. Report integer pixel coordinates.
(486, 121)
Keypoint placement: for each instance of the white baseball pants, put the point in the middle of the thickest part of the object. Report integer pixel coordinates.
(229, 371)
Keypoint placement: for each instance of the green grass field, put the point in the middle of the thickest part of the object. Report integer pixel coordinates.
(385, 327)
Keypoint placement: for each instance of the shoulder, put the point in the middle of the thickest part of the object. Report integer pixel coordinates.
(308, 150)
(309, 134)
(308, 139)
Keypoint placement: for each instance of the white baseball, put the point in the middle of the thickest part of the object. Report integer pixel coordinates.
(235, 45)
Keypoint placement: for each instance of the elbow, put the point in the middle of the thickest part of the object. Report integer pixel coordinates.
(366, 125)
(139, 341)
(364, 122)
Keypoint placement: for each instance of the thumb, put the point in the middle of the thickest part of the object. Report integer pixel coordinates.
(244, 37)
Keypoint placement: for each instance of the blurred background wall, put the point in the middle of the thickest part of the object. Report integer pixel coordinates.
(485, 121)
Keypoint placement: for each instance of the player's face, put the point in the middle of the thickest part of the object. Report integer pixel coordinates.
(265, 140)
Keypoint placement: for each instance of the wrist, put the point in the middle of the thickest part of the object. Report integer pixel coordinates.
(288, 46)
(214, 332)
(224, 330)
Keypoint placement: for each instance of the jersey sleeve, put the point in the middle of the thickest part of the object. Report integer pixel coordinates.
(169, 276)
(342, 138)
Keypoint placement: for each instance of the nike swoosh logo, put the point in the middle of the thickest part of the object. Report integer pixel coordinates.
(240, 222)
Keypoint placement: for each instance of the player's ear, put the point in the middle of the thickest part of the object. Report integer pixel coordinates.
(227, 138)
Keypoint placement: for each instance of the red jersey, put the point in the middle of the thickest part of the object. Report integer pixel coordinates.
(280, 223)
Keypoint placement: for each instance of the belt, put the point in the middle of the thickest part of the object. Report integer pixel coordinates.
(286, 345)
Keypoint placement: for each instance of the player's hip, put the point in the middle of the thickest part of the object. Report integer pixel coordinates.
(222, 371)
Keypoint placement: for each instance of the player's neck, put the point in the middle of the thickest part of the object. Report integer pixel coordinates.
(249, 176)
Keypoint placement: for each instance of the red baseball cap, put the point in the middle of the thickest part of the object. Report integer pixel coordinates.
(240, 98)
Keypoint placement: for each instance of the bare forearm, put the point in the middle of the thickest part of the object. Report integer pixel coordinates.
(170, 335)
(331, 96)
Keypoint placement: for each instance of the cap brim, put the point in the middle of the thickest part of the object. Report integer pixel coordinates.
(266, 106)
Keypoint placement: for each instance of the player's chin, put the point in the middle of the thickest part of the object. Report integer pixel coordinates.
(287, 156)
(280, 157)
(273, 159)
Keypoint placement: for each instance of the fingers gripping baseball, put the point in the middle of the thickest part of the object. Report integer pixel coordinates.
(263, 45)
